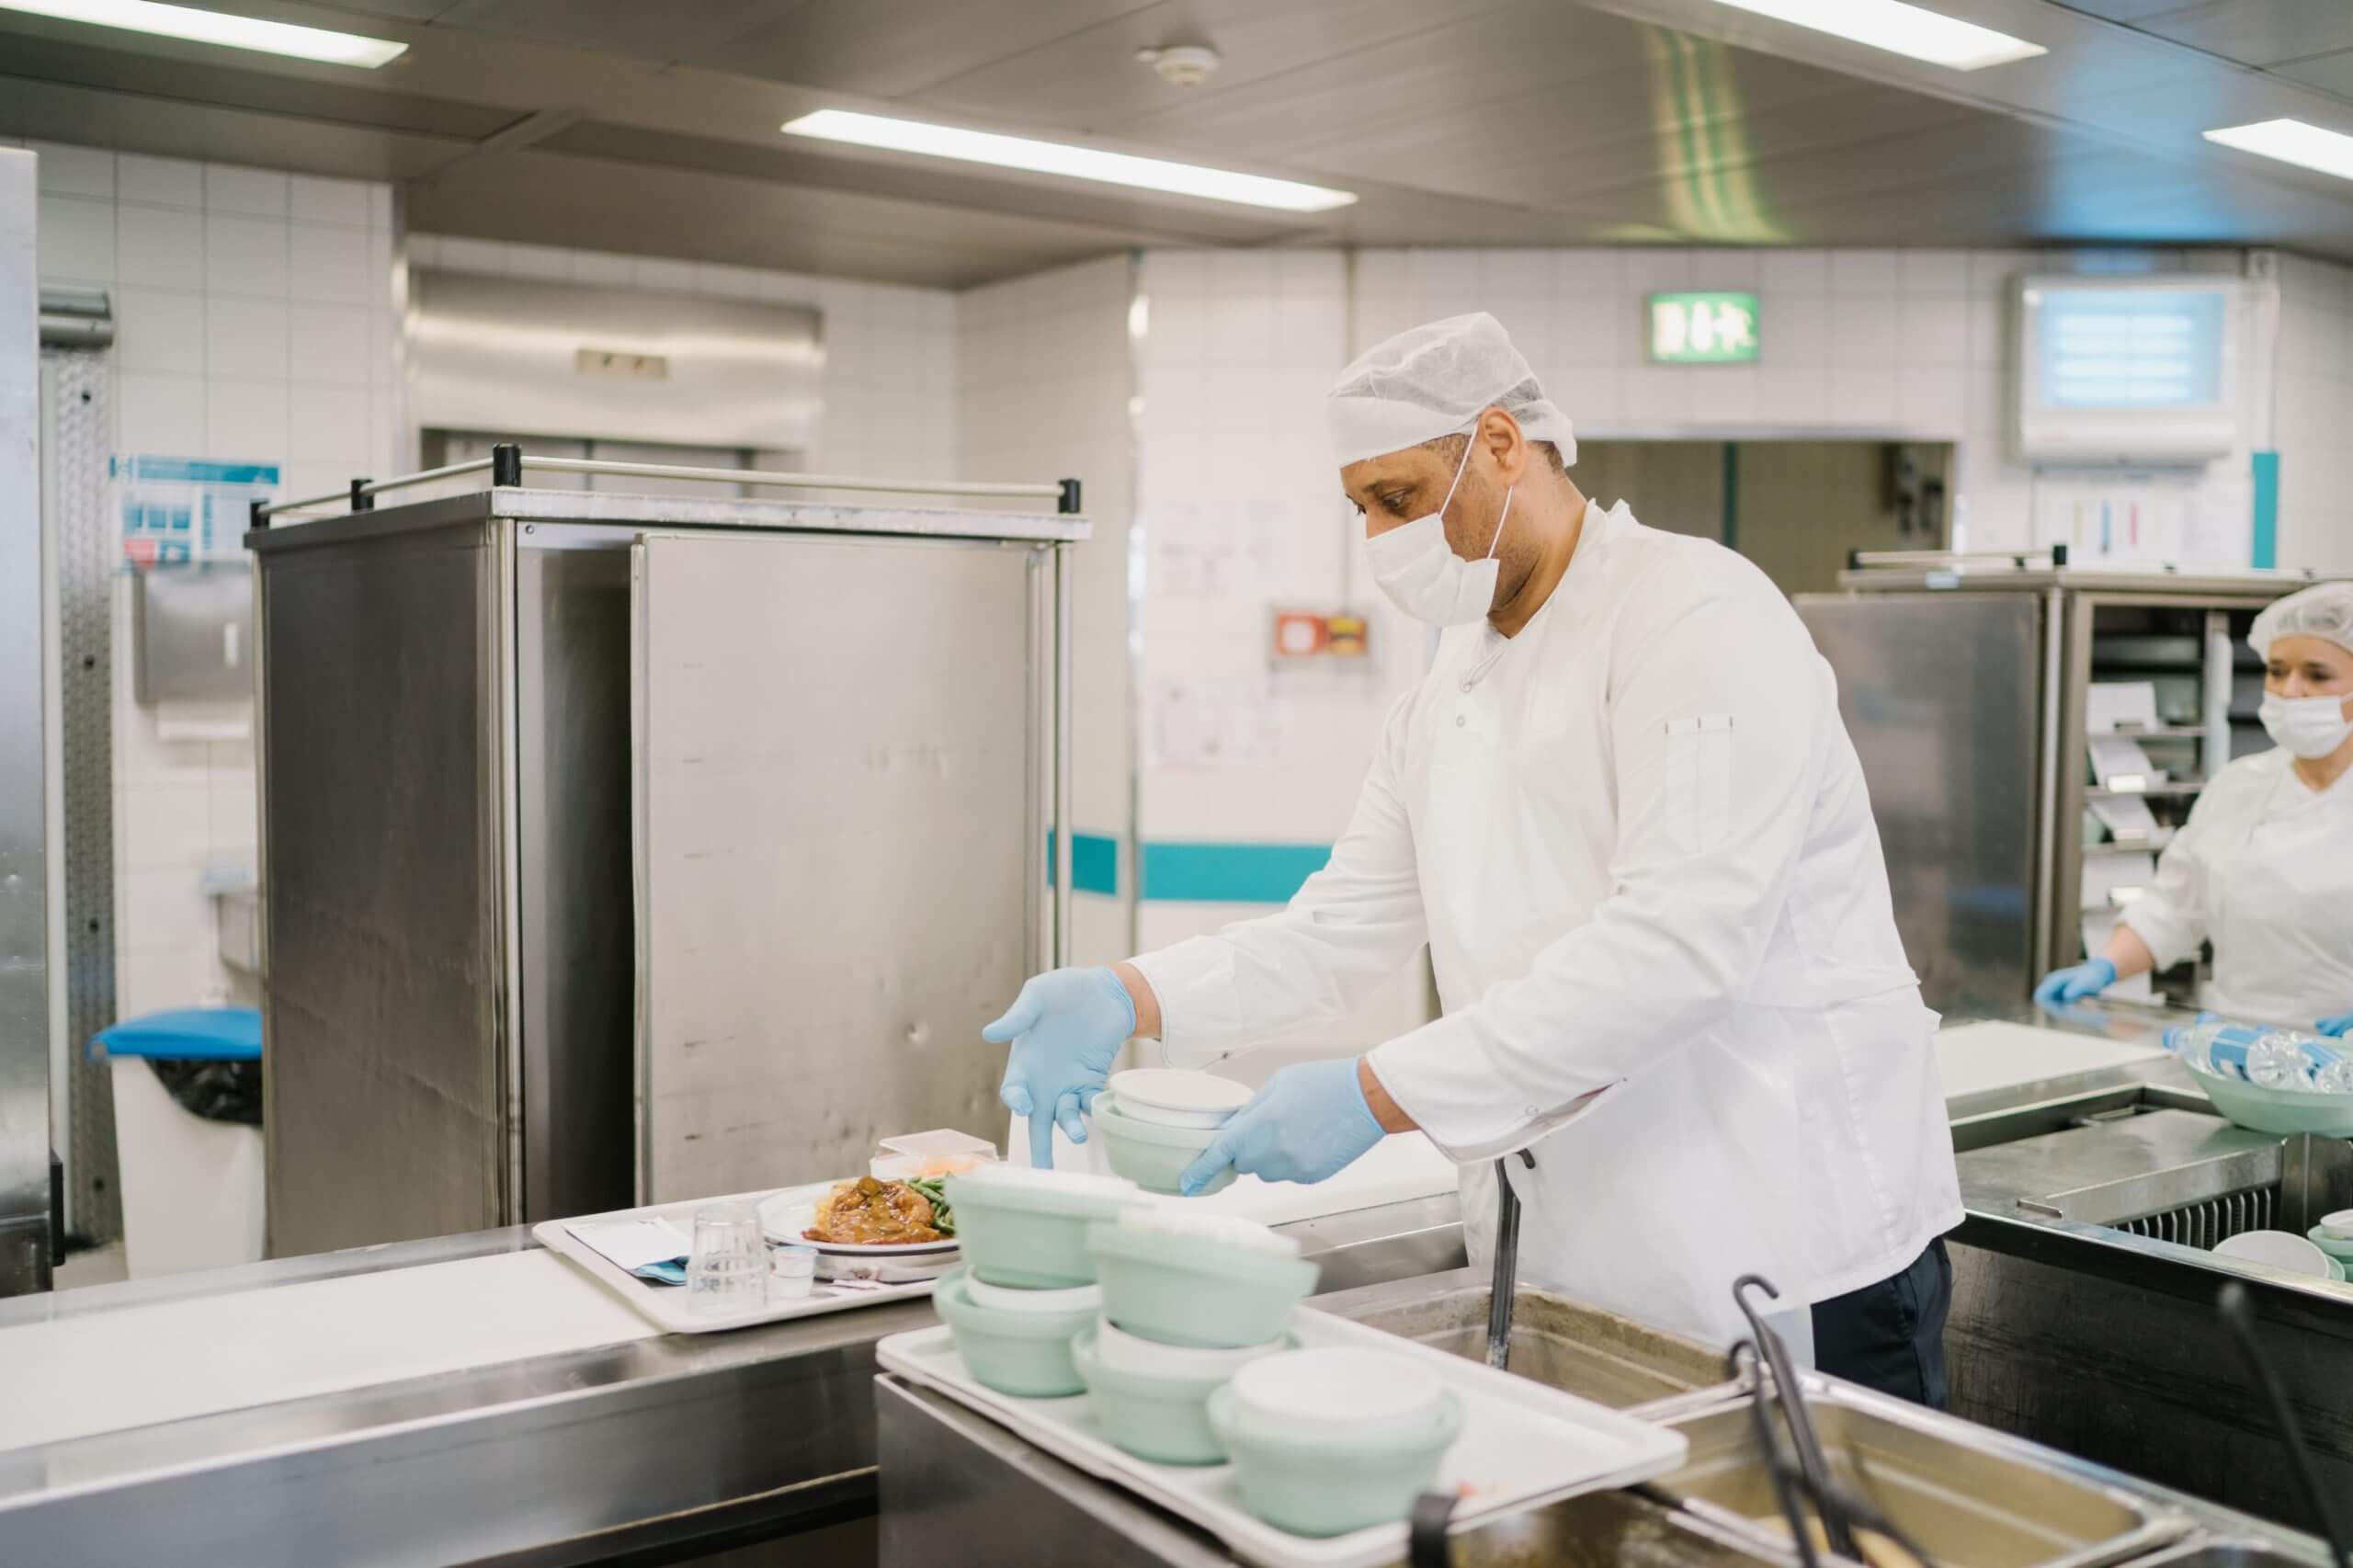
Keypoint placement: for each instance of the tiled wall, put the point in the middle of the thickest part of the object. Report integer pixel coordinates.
(889, 369)
(254, 324)
(1043, 379)
(1234, 469)
(2313, 393)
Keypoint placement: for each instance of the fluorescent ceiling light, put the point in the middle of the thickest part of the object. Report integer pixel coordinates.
(1903, 30)
(2293, 142)
(1057, 158)
(217, 26)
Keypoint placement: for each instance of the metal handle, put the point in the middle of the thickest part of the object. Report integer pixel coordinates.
(1506, 1276)
(1063, 492)
(1811, 1463)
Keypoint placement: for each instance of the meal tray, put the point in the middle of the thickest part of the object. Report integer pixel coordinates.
(665, 1306)
(1522, 1445)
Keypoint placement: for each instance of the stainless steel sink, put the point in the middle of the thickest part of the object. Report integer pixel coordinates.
(1583, 1350)
(1962, 1493)
(1610, 1529)
(2206, 1553)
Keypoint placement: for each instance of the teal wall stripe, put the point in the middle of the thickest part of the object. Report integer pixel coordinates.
(1229, 873)
(1094, 863)
(2266, 509)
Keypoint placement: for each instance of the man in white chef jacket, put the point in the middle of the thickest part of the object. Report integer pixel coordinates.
(1622, 812)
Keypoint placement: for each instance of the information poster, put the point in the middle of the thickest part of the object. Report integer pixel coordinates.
(177, 510)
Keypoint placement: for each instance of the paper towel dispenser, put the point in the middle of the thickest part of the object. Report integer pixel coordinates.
(192, 632)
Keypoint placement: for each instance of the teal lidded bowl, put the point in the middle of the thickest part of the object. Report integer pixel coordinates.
(1017, 1353)
(1323, 1486)
(1150, 1154)
(1194, 1291)
(1154, 1415)
(1030, 1236)
(2338, 1251)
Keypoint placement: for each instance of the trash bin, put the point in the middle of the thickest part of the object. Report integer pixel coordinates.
(188, 1137)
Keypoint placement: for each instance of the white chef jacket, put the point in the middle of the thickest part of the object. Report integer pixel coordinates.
(2264, 867)
(1637, 840)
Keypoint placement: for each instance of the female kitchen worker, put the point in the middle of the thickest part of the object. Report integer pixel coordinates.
(2264, 867)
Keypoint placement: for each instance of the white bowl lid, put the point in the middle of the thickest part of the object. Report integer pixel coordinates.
(2278, 1248)
(1036, 1178)
(1172, 1089)
(1336, 1385)
(2339, 1223)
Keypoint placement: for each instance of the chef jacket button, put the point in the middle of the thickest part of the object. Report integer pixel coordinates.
(1459, 721)
(1531, 1110)
(1466, 686)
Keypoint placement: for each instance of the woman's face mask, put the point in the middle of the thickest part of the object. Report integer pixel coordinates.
(2307, 688)
(1423, 576)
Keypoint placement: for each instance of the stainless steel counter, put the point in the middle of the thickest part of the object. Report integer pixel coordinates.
(2084, 1290)
(661, 1448)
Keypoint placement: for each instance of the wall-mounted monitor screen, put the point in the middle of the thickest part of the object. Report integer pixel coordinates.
(2127, 369)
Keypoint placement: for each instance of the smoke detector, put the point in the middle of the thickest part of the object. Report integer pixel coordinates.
(1181, 64)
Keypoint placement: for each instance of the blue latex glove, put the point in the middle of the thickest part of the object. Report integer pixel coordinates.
(1309, 1121)
(2087, 979)
(2342, 1024)
(1065, 1028)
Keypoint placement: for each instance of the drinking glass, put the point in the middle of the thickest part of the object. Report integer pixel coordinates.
(727, 1270)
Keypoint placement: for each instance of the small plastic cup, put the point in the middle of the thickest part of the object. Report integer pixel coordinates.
(727, 1270)
(792, 1272)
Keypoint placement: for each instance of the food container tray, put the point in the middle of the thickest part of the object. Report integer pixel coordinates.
(665, 1307)
(1522, 1445)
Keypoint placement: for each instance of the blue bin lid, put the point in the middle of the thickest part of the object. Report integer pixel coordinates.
(186, 1034)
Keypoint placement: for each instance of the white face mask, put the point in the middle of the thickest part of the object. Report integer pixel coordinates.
(1421, 573)
(2311, 727)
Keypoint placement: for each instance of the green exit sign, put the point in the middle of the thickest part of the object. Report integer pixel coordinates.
(1703, 329)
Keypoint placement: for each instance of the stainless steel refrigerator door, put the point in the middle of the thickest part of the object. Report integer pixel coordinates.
(1942, 694)
(840, 775)
(385, 1016)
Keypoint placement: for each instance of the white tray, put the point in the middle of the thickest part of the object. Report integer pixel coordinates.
(1522, 1444)
(665, 1306)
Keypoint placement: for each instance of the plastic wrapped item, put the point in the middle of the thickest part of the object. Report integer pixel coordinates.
(941, 1152)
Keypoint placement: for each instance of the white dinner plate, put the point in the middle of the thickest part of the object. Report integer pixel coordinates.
(784, 1215)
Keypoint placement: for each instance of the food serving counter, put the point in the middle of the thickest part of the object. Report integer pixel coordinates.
(468, 1399)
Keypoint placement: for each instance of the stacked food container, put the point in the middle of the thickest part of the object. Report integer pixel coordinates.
(1155, 1121)
(1177, 1327)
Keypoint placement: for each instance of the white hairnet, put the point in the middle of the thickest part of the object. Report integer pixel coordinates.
(1433, 380)
(2325, 609)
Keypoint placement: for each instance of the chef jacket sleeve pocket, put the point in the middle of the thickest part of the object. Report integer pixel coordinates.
(1698, 780)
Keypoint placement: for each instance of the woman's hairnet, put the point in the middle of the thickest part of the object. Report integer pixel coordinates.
(2325, 609)
(1433, 380)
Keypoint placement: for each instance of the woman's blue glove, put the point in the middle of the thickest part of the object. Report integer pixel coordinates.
(2087, 979)
(1309, 1121)
(1065, 1028)
(2342, 1024)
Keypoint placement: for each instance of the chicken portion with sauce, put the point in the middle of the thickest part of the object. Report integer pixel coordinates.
(867, 1212)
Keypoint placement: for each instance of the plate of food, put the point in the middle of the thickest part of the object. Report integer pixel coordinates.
(868, 1217)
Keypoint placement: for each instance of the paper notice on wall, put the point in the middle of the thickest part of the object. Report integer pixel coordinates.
(2113, 705)
(176, 510)
(2127, 818)
(1240, 550)
(2098, 927)
(1216, 721)
(2113, 878)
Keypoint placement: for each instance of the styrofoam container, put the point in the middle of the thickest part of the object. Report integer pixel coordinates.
(1012, 1299)
(1339, 1393)
(1025, 1228)
(1170, 1097)
(1124, 1352)
(2280, 1249)
(1313, 1486)
(1151, 1155)
(1191, 1291)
